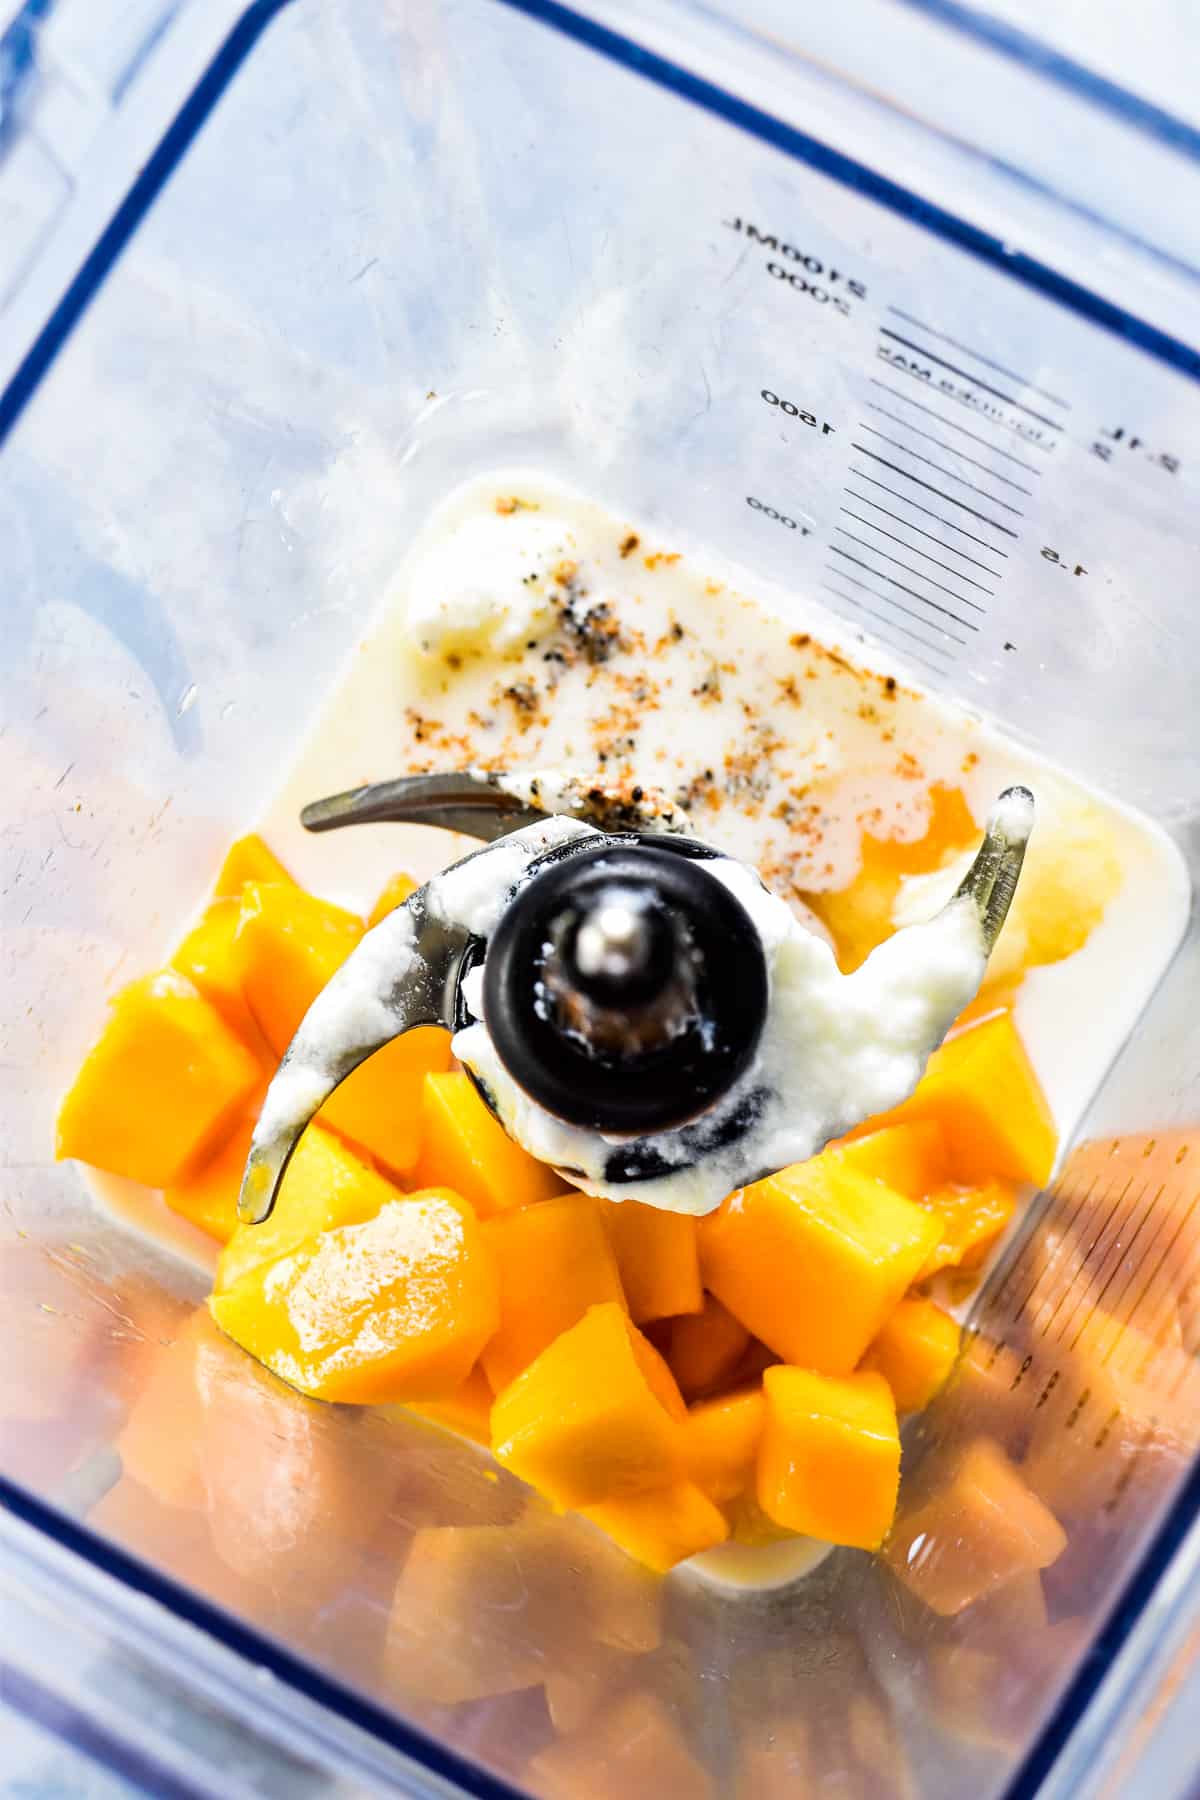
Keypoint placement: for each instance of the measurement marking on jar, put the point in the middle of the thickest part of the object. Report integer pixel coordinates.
(861, 475)
(986, 414)
(966, 375)
(781, 518)
(1095, 1257)
(980, 357)
(940, 492)
(917, 456)
(915, 431)
(1052, 556)
(1126, 1250)
(953, 425)
(866, 500)
(967, 624)
(877, 550)
(1163, 1259)
(915, 549)
(894, 625)
(795, 412)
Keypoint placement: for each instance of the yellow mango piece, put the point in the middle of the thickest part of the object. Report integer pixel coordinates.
(909, 1158)
(829, 1460)
(209, 1198)
(632, 1747)
(750, 1526)
(208, 957)
(467, 1411)
(465, 1147)
(161, 1088)
(379, 1105)
(663, 1527)
(325, 1185)
(658, 1258)
(396, 1308)
(978, 1527)
(573, 1694)
(914, 1353)
(287, 945)
(720, 1442)
(972, 1219)
(813, 1260)
(554, 1260)
(393, 894)
(705, 1348)
(981, 1088)
(249, 859)
(586, 1421)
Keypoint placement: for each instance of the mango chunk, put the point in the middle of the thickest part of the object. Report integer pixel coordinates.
(909, 1158)
(462, 1144)
(829, 1459)
(208, 956)
(720, 1442)
(249, 859)
(394, 893)
(163, 1085)
(658, 1258)
(981, 1088)
(915, 1353)
(705, 1348)
(379, 1105)
(468, 1410)
(980, 1526)
(396, 1308)
(209, 1198)
(288, 944)
(813, 1260)
(632, 1747)
(586, 1421)
(554, 1261)
(663, 1527)
(326, 1185)
(972, 1219)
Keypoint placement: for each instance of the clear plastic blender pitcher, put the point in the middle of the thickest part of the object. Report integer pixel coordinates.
(277, 279)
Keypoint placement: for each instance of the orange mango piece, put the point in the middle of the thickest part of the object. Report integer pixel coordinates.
(981, 1088)
(979, 1525)
(379, 1105)
(287, 945)
(325, 1185)
(658, 1258)
(813, 1260)
(705, 1348)
(208, 956)
(829, 1459)
(396, 1308)
(161, 1443)
(593, 1417)
(209, 1198)
(161, 1088)
(464, 1146)
(467, 1411)
(249, 859)
(915, 1352)
(662, 1527)
(554, 1260)
(909, 1158)
(394, 893)
(632, 1747)
(972, 1219)
(720, 1442)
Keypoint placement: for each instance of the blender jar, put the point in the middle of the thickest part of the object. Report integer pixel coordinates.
(727, 277)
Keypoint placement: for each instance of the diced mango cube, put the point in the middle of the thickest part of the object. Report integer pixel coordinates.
(705, 1348)
(914, 1352)
(325, 1185)
(394, 893)
(379, 1105)
(396, 1308)
(632, 1747)
(554, 1261)
(161, 1088)
(972, 1219)
(467, 1411)
(464, 1146)
(813, 1260)
(979, 1525)
(720, 1442)
(662, 1527)
(208, 956)
(288, 944)
(209, 1197)
(829, 1460)
(658, 1258)
(586, 1421)
(249, 859)
(909, 1158)
(981, 1088)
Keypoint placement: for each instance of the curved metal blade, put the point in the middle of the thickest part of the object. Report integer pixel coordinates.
(476, 805)
(991, 881)
(402, 973)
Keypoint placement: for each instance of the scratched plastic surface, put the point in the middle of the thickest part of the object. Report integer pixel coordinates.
(409, 244)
